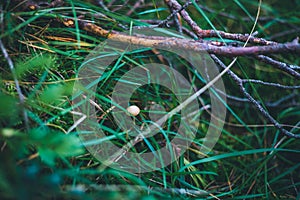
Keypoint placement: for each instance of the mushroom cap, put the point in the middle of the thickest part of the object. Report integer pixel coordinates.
(133, 110)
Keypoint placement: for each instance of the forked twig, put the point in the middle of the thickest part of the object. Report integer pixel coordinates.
(265, 113)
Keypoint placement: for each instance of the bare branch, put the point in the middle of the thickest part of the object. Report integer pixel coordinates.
(188, 44)
(265, 113)
(210, 33)
(185, 15)
(270, 84)
(279, 65)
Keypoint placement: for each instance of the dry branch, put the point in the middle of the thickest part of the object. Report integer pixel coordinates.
(187, 44)
(260, 108)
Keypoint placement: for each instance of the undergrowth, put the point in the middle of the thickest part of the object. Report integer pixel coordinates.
(45, 157)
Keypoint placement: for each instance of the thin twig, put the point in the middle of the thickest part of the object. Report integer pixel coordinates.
(164, 22)
(239, 82)
(175, 19)
(271, 104)
(19, 91)
(210, 33)
(270, 84)
(174, 5)
(279, 65)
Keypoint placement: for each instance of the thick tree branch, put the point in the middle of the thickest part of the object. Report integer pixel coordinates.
(188, 44)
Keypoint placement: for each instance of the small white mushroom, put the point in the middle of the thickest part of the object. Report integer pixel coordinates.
(133, 110)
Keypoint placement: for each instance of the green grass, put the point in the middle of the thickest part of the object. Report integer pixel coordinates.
(251, 159)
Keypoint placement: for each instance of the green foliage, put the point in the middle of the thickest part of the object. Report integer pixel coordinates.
(9, 109)
(31, 177)
(53, 94)
(51, 145)
(35, 65)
